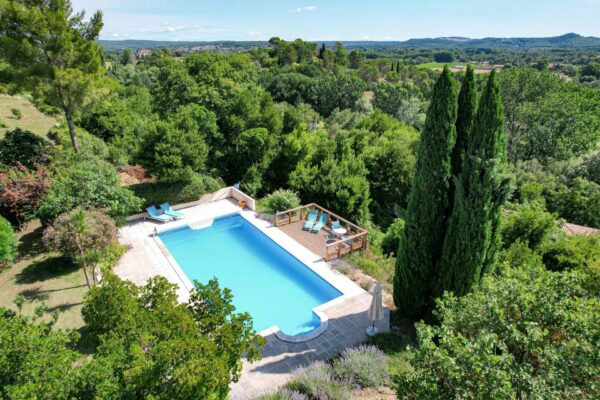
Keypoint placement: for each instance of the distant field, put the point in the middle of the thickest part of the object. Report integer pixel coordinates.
(32, 119)
(452, 65)
(432, 65)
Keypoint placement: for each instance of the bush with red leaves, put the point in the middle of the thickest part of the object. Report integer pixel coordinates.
(21, 192)
(136, 171)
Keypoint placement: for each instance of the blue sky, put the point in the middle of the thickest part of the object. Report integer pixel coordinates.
(341, 19)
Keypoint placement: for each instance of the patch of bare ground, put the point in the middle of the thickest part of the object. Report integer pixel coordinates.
(381, 393)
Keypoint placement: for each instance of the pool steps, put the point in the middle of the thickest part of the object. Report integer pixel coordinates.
(207, 223)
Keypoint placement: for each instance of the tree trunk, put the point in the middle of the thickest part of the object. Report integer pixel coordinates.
(83, 262)
(87, 278)
(72, 131)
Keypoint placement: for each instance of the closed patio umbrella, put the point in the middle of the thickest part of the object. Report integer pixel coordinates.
(375, 309)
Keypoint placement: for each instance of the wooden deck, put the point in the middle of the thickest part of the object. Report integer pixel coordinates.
(315, 242)
(326, 243)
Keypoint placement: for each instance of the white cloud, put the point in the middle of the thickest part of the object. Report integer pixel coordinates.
(305, 9)
(173, 29)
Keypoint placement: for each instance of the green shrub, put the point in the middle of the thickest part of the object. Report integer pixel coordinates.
(592, 167)
(109, 256)
(570, 252)
(524, 333)
(25, 147)
(3, 124)
(281, 200)
(155, 193)
(317, 382)
(16, 113)
(88, 185)
(519, 254)
(391, 240)
(375, 236)
(8, 244)
(365, 366)
(529, 223)
(579, 203)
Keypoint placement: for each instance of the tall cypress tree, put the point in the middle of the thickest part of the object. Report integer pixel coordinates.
(467, 106)
(482, 188)
(423, 235)
(322, 51)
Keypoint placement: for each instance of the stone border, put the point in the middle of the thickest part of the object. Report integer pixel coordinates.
(222, 194)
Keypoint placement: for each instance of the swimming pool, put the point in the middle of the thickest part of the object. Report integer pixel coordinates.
(265, 280)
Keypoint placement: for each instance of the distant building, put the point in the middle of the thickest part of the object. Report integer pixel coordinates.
(143, 53)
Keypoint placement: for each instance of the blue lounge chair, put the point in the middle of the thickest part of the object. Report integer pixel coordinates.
(335, 225)
(166, 207)
(311, 219)
(155, 215)
(319, 225)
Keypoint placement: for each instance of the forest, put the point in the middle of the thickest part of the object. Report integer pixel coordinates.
(465, 179)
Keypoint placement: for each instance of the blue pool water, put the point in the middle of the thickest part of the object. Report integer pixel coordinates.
(265, 280)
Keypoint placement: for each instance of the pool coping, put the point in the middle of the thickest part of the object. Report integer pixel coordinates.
(315, 263)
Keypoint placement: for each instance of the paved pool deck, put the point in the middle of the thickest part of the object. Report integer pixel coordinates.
(344, 320)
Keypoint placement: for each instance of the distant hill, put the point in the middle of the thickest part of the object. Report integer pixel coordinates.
(567, 41)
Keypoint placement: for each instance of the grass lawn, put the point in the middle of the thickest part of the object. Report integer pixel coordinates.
(42, 277)
(32, 119)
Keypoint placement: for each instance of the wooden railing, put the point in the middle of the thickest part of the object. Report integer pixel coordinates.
(347, 245)
(355, 238)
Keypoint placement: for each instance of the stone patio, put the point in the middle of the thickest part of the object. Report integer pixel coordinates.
(347, 325)
(344, 319)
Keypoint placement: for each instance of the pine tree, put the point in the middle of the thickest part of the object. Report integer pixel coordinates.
(423, 235)
(398, 67)
(472, 237)
(53, 53)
